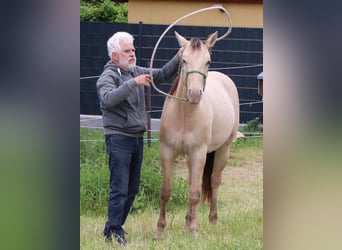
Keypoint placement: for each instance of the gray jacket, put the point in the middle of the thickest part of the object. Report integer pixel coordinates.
(122, 101)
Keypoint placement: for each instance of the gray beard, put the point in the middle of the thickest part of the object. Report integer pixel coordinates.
(125, 64)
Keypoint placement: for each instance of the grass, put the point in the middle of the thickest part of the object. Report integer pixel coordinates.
(240, 222)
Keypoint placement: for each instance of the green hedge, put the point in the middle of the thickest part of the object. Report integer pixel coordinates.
(103, 11)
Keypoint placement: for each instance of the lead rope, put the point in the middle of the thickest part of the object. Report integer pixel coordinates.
(173, 24)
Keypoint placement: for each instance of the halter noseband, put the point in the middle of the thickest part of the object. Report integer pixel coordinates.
(187, 73)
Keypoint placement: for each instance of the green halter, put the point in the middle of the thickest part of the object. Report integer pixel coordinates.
(187, 73)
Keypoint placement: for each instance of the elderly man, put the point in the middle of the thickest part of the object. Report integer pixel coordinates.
(120, 89)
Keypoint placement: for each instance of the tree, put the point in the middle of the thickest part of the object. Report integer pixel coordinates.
(103, 11)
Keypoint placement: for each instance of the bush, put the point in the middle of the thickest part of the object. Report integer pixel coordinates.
(252, 126)
(103, 11)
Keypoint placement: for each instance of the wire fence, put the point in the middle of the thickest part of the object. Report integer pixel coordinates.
(243, 102)
(224, 68)
(246, 136)
(94, 122)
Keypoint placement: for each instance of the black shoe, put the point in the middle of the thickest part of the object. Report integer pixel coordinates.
(120, 239)
(108, 237)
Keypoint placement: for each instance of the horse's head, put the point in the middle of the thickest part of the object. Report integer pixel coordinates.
(195, 64)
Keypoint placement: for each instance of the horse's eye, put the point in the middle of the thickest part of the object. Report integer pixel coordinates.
(184, 61)
(208, 63)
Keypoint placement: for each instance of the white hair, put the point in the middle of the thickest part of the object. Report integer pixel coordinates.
(113, 42)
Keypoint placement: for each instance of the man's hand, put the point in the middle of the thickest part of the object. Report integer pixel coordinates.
(143, 80)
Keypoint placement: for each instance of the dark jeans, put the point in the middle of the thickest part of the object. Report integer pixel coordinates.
(125, 160)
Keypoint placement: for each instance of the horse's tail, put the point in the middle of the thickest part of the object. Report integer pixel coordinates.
(206, 178)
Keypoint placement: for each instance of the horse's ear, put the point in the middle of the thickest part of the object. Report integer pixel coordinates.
(210, 42)
(181, 40)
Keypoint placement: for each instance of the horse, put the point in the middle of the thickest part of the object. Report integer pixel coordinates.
(202, 128)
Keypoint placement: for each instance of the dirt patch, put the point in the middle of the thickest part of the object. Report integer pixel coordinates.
(250, 171)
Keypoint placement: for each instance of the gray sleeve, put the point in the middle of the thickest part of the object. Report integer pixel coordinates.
(167, 71)
(111, 91)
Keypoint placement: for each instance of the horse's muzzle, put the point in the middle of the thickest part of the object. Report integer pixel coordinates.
(195, 95)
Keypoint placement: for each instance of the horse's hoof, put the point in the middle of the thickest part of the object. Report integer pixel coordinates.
(194, 234)
(157, 236)
(213, 220)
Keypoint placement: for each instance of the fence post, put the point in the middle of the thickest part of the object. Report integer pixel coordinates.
(147, 90)
(149, 110)
(140, 37)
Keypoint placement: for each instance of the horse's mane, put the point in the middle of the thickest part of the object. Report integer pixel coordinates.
(175, 82)
(195, 44)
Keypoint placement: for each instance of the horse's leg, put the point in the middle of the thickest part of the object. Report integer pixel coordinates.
(165, 191)
(188, 215)
(197, 164)
(220, 161)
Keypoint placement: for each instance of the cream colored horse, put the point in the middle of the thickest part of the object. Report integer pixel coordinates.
(202, 128)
